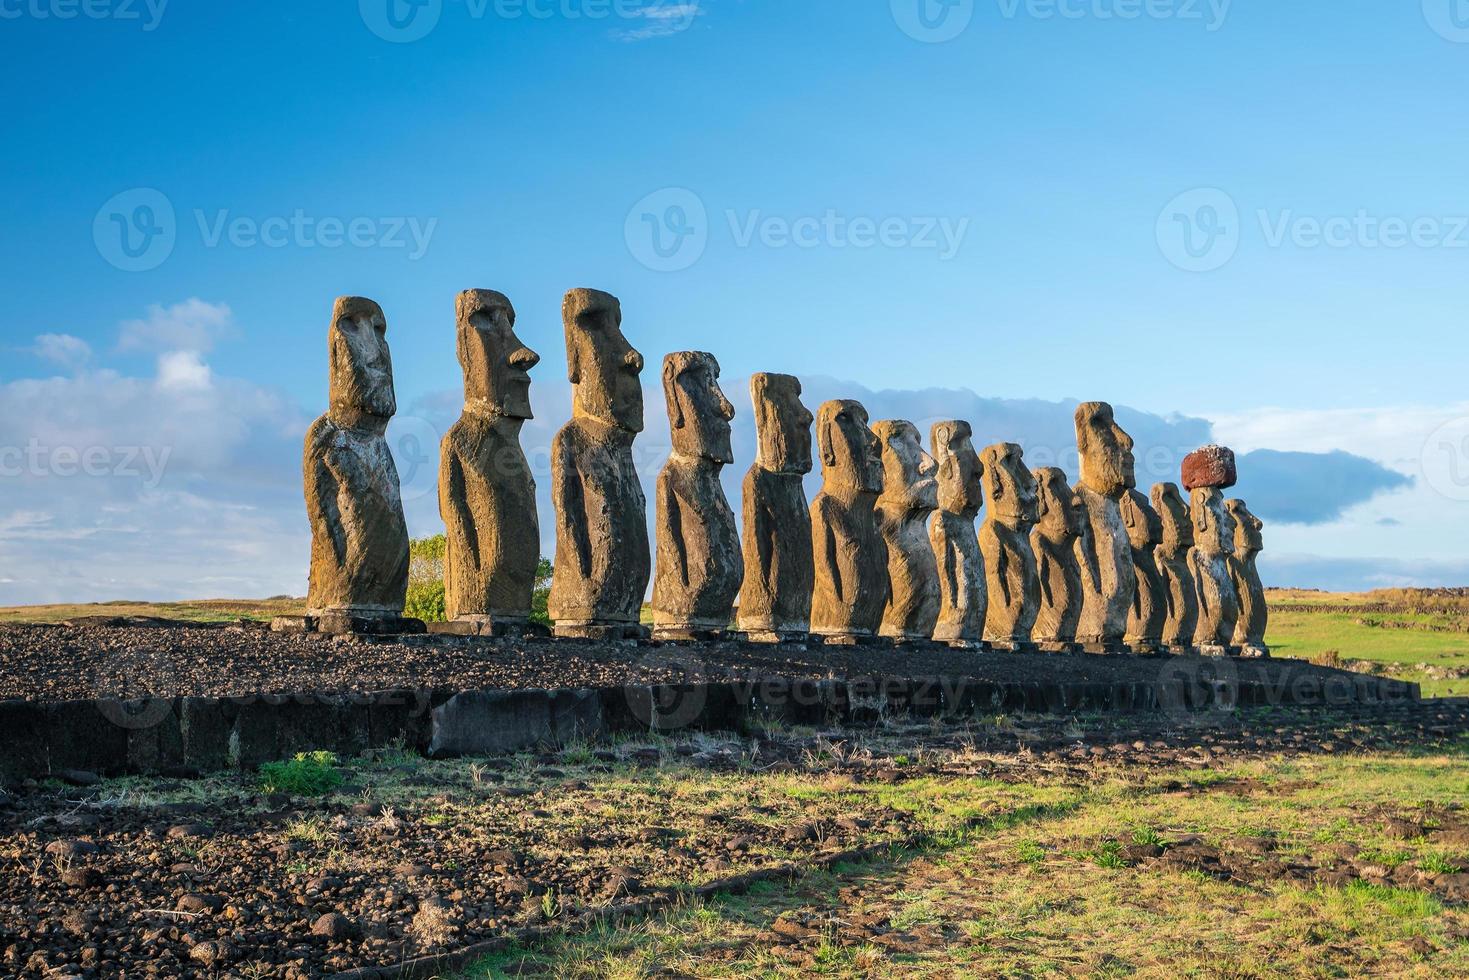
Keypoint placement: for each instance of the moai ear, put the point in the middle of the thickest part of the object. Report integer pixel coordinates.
(828, 448)
(573, 363)
(1201, 516)
(1042, 500)
(675, 396)
(997, 485)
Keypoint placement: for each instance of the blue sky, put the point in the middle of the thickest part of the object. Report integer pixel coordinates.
(1244, 220)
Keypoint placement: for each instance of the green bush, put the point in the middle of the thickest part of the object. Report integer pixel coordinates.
(426, 583)
(425, 601)
(309, 774)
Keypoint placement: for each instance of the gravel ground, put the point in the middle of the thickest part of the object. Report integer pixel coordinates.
(54, 663)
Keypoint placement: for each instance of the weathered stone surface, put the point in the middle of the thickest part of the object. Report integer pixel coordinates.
(847, 547)
(699, 566)
(1004, 539)
(1104, 551)
(602, 559)
(775, 599)
(963, 591)
(1254, 616)
(1149, 601)
(487, 496)
(1181, 617)
(910, 493)
(359, 541)
(1211, 466)
(1209, 561)
(1059, 525)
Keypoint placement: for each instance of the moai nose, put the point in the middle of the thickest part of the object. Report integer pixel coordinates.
(633, 360)
(525, 359)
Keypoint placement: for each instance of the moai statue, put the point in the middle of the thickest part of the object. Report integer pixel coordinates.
(1059, 524)
(1150, 601)
(487, 496)
(1004, 539)
(1104, 550)
(1209, 560)
(963, 592)
(775, 600)
(359, 540)
(602, 561)
(1254, 616)
(850, 557)
(699, 566)
(910, 493)
(1172, 556)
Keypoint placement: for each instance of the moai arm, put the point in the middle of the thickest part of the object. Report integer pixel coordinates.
(322, 488)
(838, 562)
(764, 532)
(453, 503)
(570, 503)
(668, 505)
(1002, 570)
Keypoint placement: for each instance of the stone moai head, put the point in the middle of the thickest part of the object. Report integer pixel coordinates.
(782, 423)
(1008, 484)
(1213, 527)
(909, 475)
(1107, 463)
(698, 412)
(496, 364)
(601, 364)
(960, 489)
(851, 456)
(361, 367)
(1178, 530)
(1058, 512)
(1144, 526)
(1247, 527)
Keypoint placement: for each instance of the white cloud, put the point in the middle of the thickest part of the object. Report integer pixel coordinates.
(183, 370)
(662, 19)
(192, 325)
(62, 349)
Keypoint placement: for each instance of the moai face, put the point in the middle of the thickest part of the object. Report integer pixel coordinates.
(960, 489)
(1144, 527)
(698, 412)
(1107, 463)
(851, 456)
(601, 364)
(1011, 488)
(1057, 510)
(783, 424)
(496, 364)
(361, 367)
(1178, 530)
(1247, 527)
(909, 475)
(1213, 527)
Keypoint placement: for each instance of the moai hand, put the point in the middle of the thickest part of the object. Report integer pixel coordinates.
(699, 566)
(963, 592)
(850, 557)
(775, 599)
(602, 560)
(1181, 622)
(1004, 539)
(487, 495)
(1109, 579)
(910, 493)
(1061, 517)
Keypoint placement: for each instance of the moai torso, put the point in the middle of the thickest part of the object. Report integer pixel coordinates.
(1254, 615)
(487, 496)
(359, 539)
(851, 575)
(699, 566)
(1149, 602)
(909, 495)
(963, 592)
(1004, 539)
(602, 560)
(1108, 576)
(1054, 544)
(775, 599)
(1181, 618)
(1209, 561)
